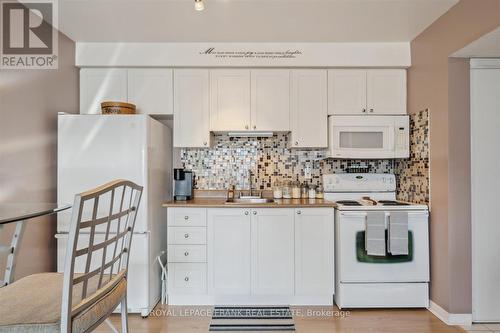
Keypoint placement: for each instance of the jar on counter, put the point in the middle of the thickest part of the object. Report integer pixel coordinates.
(304, 191)
(320, 194)
(312, 192)
(296, 190)
(277, 190)
(286, 190)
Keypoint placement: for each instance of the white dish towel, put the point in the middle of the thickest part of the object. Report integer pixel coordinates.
(398, 233)
(375, 234)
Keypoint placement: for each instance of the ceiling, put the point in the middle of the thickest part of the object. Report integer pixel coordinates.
(487, 46)
(248, 20)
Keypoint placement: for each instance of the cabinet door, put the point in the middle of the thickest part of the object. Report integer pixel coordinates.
(99, 85)
(386, 91)
(191, 108)
(272, 252)
(230, 99)
(270, 102)
(228, 242)
(314, 251)
(346, 91)
(309, 116)
(150, 89)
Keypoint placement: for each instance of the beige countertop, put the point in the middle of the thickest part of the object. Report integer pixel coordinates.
(205, 202)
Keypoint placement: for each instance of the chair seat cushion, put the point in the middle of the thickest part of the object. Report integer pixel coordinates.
(33, 304)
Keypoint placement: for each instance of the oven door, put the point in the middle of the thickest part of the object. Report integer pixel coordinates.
(354, 265)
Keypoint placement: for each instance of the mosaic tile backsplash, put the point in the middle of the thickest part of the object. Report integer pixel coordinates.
(231, 159)
(413, 174)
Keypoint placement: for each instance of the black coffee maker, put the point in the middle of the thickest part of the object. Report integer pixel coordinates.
(183, 188)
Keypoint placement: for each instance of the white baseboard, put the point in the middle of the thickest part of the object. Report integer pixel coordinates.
(462, 319)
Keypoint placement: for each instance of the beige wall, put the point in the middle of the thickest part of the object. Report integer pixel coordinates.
(29, 103)
(440, 83)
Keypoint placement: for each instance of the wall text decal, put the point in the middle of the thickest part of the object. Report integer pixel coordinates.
(245, 54)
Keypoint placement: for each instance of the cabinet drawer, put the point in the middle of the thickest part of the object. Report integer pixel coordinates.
(187, 217)
(187, 253)
(187, 278)
(187, 235)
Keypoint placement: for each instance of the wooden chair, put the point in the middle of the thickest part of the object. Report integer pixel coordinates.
(94, 281)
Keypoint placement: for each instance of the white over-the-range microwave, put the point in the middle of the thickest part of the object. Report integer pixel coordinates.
(369, 137)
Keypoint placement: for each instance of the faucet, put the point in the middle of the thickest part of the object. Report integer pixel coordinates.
(250, 189)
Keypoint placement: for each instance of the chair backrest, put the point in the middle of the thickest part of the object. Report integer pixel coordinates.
(98, 249)
(11, 251)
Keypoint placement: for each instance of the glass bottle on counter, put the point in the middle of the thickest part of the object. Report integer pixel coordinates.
(320, 192)
(312, 192)
(277, 190)
(296, 190)
(286, 190)
(304, 191)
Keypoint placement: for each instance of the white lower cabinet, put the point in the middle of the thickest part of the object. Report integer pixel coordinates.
(253, 256)
(314, 251)
(272, 253)
(229, 253)
(187, 278)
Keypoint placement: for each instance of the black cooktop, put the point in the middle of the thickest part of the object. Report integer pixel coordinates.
(349, 203)
(392, 203)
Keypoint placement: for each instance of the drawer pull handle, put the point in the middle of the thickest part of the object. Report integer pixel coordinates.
(186, 217)
(186, 253)
(186, 235)
(186, 279)
(299, 212)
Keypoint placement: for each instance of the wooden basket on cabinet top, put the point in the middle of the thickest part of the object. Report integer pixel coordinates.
(117, 108)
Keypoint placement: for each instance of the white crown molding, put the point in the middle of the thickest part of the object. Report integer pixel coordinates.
(375, 55)
(462, 319)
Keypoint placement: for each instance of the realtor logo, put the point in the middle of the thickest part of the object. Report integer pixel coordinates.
(28, 34)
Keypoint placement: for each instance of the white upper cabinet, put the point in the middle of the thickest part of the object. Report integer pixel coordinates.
(191, 108)
(359, 91)
(230, 100)
(309, 109)
(228, 240)
(346, 91)
(386, 91)
(270, 100)
(99, 85)
(272, 252)
(150, 89)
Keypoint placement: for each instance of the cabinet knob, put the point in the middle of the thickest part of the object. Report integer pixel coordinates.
(364, 111)
(299, 212)
(254, 127)
(186, 235)
(205, 143)
(254, 212)
(246, 126)
(371, 110)
(246, 213)
(186, 279)
(296, 143)
(186, 217)
(186, 254)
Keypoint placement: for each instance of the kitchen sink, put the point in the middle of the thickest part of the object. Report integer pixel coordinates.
(249, 201)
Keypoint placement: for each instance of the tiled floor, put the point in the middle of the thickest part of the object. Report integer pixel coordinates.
(330, 320)
(483, 328)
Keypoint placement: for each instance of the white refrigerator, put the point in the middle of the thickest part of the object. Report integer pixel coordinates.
(95, 149)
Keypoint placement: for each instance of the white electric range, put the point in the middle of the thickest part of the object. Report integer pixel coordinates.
(364, 281)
